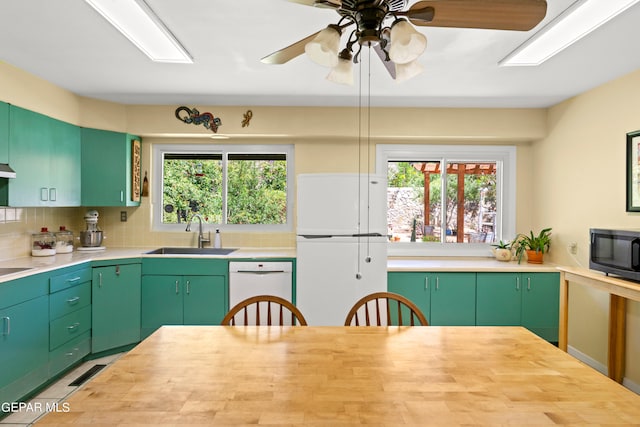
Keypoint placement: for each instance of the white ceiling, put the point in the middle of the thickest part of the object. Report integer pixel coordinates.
(69, 44)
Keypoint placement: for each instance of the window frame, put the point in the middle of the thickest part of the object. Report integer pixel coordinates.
(505, 158)
(158, 151)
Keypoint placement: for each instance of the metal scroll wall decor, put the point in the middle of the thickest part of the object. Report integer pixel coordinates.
(193, 116)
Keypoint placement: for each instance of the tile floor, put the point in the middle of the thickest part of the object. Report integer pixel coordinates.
(56, 392)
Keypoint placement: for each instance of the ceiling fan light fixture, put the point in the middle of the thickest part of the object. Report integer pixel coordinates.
(407, 44)
(408, 71)
(342, 73)
(323, 49)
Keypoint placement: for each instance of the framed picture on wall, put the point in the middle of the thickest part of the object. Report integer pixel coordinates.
(633, 171)
(135, 170)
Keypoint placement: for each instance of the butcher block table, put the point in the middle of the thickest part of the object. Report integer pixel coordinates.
(347, 375)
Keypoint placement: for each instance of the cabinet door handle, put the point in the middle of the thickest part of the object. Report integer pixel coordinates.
(44, 194)
(177, 287)
(517, 283)
(426, 283)
(117, 270)
(73, 301)
(437, 283)
(72, 328)
(99, 280)
(188, 287)
(7, 325)
(53, 194)
(121, 196)
(528, 283)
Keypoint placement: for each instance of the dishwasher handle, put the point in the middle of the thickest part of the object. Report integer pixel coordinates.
(260, 272)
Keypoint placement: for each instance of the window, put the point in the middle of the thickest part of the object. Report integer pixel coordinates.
(448, 200)
(237, 187)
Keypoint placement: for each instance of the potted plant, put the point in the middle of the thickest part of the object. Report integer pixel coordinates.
(534, 245)
(502, 251)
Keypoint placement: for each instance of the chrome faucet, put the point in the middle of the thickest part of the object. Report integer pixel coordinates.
(201, 239)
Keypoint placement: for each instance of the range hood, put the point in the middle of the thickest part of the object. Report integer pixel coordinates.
(6, 171)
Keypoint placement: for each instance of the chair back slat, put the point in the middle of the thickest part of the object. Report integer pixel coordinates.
(252, 305)
(401, 304)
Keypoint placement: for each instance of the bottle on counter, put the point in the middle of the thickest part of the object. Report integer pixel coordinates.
(217, 242)
(43, 243)
(64, 241)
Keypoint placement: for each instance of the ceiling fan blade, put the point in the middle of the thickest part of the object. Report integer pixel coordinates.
(520, 15)
(329, 4)
(388, 64)
(288, 53)
(418, 15)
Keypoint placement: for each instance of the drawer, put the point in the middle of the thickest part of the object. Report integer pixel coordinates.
(68, 354)
(67, 280)
(69, 300)
(68, 327)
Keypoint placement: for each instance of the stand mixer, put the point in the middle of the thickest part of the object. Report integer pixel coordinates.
(91, 238)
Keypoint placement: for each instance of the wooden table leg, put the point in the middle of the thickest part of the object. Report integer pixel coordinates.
(564, 313)
(617, 337)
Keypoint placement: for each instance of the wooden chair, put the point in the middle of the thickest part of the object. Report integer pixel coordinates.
(273, 304)
(370, 305)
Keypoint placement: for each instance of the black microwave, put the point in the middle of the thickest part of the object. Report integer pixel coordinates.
(615, 252)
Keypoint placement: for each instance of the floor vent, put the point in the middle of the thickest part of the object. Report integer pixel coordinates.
(85, 377)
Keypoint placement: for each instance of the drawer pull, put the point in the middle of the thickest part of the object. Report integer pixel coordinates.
(75, 279)
(7, 325)
(73, 301)
(74, 327)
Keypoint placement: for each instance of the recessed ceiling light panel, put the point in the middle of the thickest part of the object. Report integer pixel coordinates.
(580, 19)
(137, 22)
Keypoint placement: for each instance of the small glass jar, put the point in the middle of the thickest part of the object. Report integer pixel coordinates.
(43, 243)
(64, 241)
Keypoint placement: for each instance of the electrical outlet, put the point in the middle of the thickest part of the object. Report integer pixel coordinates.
(573, 248)
(123, 216)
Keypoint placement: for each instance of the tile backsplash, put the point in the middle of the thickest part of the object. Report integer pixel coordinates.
(17, 225)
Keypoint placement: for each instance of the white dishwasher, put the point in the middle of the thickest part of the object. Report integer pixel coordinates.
(251, 278)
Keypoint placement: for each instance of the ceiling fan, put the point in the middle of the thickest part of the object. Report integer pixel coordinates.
(386, 26)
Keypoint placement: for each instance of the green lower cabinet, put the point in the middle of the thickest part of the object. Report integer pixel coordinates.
(541, 304)
(182, 300)
(116, 294)
(526, 299)
(69, 318)
(446, 299)
(414, 286)
(24, 347)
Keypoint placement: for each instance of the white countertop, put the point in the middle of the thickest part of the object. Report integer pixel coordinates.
(47, 263)
(487, 264)
(43, 264)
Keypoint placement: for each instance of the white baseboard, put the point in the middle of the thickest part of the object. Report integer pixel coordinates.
(601, 368)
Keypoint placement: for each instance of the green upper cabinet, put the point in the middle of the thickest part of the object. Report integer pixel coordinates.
(108, 169)
(45, 153)
(4, 151)
(4, 132)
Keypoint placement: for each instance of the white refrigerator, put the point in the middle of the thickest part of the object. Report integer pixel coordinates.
(341, 243)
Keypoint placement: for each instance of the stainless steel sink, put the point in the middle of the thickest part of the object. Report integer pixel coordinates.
(192, 251)
(11, 270)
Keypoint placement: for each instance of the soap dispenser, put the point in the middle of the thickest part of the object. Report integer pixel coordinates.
(217, 241)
